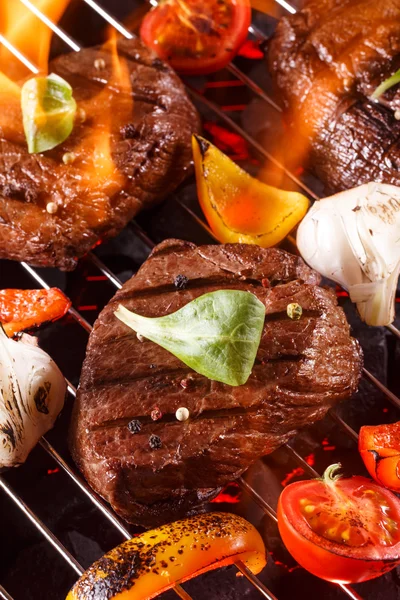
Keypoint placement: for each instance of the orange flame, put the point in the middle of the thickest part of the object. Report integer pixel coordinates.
(104, 106)
(26, 32)
(117, 109)
(106, 112)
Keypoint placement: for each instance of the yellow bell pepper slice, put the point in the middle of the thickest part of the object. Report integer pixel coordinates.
(238, 207)
(151, 563)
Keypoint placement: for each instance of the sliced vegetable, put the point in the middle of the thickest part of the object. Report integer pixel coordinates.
(24, 309)
(238, 207)
(217, 334)
(32, 393)
(154, 561)
(386, 85)
(48, 110)
(380, 450)
(342, 530)
(353, 238)
(197, 37)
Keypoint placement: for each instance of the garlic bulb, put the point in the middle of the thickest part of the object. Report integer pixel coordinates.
(32, 393)
(354, 239)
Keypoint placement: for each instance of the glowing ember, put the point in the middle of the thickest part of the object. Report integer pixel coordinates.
(115, 104)
(310, 459)
(53, 471)
(251, 49)
(279, 563)
(296, 472)
(231, 494)
(327, 446)
(227, 141)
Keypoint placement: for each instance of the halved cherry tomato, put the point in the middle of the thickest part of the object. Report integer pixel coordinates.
(25, 309)
(379, 447)
(197, 37)
(342, 530)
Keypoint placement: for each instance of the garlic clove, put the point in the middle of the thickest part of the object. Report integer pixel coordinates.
(32, 393)
(353, 238)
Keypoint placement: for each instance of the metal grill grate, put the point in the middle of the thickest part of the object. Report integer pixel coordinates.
(114, 280)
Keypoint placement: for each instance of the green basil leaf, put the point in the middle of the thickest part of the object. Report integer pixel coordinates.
(48, 111)
(386, 85)
(217, 334)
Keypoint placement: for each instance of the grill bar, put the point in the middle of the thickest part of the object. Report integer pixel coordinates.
(394, 330)
(4, 594)
(269, 511)
(232, 68)
(98, 263)
(347, 429)
(254, 495)
(100, 504)
(50, 537)
(287, 6)
(390, 396)
(72, 311)
(61, 34)
(107, 17)
(105, 270)
(255, 581)
(18, 55)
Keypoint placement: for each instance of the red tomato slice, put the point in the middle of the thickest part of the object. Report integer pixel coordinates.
(380, 450)
(345, 531)
(197, 37)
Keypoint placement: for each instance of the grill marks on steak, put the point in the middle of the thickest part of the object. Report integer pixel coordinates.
(326, 61)
(150, 147)
(302, 368)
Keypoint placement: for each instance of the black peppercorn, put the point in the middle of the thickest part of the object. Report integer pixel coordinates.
(128, 131)
(134, 426)
(155, 442)
(181, 282)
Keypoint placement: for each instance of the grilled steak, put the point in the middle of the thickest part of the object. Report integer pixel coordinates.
(326, 61)
(151, 122)
(152, 471)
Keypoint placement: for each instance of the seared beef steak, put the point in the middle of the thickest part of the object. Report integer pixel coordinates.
(326, 61)
(151, 124)
(302, 368)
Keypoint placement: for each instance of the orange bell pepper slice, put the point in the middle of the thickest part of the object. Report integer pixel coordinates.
(379, 447)
(159, 558)
(25, 309)
(238, 207)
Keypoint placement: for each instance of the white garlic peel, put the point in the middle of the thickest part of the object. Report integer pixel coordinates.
(32, 394)
(353, 238)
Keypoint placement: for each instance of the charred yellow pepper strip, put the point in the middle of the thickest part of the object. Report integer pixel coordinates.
(238, 207)
(153, 562)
